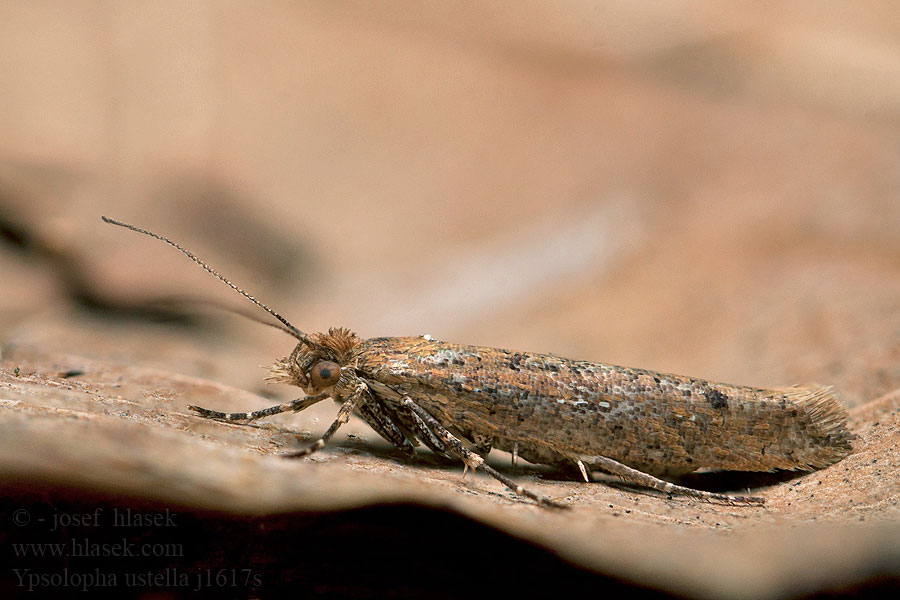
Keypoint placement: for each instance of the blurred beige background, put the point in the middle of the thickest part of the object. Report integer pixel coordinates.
(706, 188)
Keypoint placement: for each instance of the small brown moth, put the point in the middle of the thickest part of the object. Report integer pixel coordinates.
(635, 424)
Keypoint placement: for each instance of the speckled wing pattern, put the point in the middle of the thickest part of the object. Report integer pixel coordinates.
(557, 410)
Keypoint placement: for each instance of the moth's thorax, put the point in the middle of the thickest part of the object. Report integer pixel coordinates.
(324, 363)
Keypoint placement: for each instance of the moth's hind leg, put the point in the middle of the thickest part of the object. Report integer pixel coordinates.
(294, 405)
(472, 460)
(631, 475)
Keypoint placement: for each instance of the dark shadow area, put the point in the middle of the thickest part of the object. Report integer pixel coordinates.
(58, 541)
(724, 481)
(61, 541)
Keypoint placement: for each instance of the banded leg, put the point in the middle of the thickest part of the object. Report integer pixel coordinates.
(483, 444)
(426, 435)
(374, 413)
(343, 416)
(631, 475)
(471, 459)
(294, 405)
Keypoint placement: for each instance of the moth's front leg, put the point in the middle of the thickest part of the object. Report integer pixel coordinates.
(347, 408)
(294, 405)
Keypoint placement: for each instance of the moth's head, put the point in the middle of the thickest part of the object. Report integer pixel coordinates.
(320, 364)
(306, 368)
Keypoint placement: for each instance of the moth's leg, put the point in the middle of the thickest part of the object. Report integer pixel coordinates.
(347, 408)
(584, 473)
(631, 475)
(424, 433)
(471, 459)
(374, 413)
(483, 444)
(294, 405)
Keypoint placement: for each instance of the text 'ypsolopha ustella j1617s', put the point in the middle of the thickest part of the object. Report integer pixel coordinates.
(635, 424)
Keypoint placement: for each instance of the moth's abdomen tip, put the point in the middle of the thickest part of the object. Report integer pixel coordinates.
(827, 437)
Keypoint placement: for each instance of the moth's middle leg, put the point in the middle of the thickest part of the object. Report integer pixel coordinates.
(385, 424)
(472, 460)
(422, 432)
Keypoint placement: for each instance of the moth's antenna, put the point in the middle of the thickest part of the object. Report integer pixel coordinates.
(291, 330)
(221, 306)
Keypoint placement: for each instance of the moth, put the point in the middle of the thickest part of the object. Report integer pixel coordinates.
(461, 401)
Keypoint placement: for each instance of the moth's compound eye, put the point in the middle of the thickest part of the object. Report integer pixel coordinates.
(325, 373)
